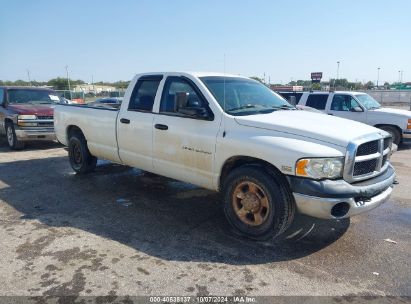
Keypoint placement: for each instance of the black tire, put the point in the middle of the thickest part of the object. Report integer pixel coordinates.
(396, 135)
(11, 137)
(271, 188)
(80, 157)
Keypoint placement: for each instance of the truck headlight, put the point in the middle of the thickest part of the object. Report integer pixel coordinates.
(25, 120)
(320, 168)
(24, 117)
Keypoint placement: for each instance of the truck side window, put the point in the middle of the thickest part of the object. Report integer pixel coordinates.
(144, 93)
(1, 96)
(317, 101)
(343, 103)
(178, 93)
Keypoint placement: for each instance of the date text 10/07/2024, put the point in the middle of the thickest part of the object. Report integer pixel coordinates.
(202, 299)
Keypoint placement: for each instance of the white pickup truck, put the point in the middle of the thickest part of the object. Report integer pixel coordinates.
(232, 134)
(363, 108)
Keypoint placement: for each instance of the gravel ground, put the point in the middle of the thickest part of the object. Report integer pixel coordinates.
(120, 231)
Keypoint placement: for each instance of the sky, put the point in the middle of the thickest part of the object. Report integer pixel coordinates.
(285, 40)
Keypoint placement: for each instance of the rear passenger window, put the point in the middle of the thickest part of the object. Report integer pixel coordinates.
(144, 93)
(1, 95)
(317, 101)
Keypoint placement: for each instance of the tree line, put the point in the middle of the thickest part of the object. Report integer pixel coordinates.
(61, 83)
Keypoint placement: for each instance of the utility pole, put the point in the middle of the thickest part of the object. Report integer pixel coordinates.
(28, 76)
(68, 80)
(338, 69)
(338, 72)
(378, 76)
(92, 83)
(399, 77)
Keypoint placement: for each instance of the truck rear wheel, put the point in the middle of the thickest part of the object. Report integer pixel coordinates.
(80, 157)
(12, 140)
(257, 204)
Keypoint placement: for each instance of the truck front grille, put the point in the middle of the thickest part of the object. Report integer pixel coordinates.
(45, 121)
(365, 167)
(368, 148)
(45, 117)
(45, 124)
(387, 142)
(367, 157)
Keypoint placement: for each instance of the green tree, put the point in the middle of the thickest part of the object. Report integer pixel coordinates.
(316, 86)
(257, 78)
(369, 85)
(121, 84)
(59, 83)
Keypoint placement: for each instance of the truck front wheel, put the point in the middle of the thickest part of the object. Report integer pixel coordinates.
(396, 135)
(81, 159)
(12, 140)
(257, 204)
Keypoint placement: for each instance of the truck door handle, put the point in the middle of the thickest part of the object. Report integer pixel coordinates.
(161, 127)
(330, 114)
(125, 120)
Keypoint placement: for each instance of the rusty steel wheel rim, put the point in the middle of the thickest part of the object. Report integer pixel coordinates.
(250, 203)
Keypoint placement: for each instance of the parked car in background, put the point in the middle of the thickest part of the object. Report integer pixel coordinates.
(233, 134)
(26, 114)
(361, 107)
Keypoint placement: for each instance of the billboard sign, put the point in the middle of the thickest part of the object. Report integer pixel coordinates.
(316, 76)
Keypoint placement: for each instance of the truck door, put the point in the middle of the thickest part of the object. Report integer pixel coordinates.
(345, 106)
(135, 124)
(184, 142)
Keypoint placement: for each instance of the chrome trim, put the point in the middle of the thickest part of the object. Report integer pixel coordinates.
(406, 134)
(35, 120)
(321, 207)
(363, 158)
(351, 159)
(381, 148)
(33, 134)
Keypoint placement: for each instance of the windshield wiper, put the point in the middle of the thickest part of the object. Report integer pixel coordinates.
(249, 106)
(284, 107)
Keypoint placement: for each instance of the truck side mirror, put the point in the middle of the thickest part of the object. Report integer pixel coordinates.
(357, 109)
(194, 112)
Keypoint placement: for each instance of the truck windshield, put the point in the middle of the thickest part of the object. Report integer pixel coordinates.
(242, 96)
(368, 102)
(30, 96)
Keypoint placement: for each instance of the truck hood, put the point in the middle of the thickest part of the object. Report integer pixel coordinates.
(404, 113)
(28, 109)
(325, 128)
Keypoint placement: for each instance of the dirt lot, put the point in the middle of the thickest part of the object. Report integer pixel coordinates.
(120, 231)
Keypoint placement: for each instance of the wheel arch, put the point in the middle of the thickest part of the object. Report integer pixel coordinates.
(392, 126)
(242, 160)
(73, 129)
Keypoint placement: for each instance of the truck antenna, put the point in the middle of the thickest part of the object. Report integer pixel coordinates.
(224, 86)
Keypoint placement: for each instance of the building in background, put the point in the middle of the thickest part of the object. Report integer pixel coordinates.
(93, 88)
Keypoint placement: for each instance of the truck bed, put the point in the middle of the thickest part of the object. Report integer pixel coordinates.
(98, 125)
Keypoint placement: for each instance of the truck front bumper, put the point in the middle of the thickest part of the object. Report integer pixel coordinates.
(35, 134)
(336, 199)
(406, 134)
